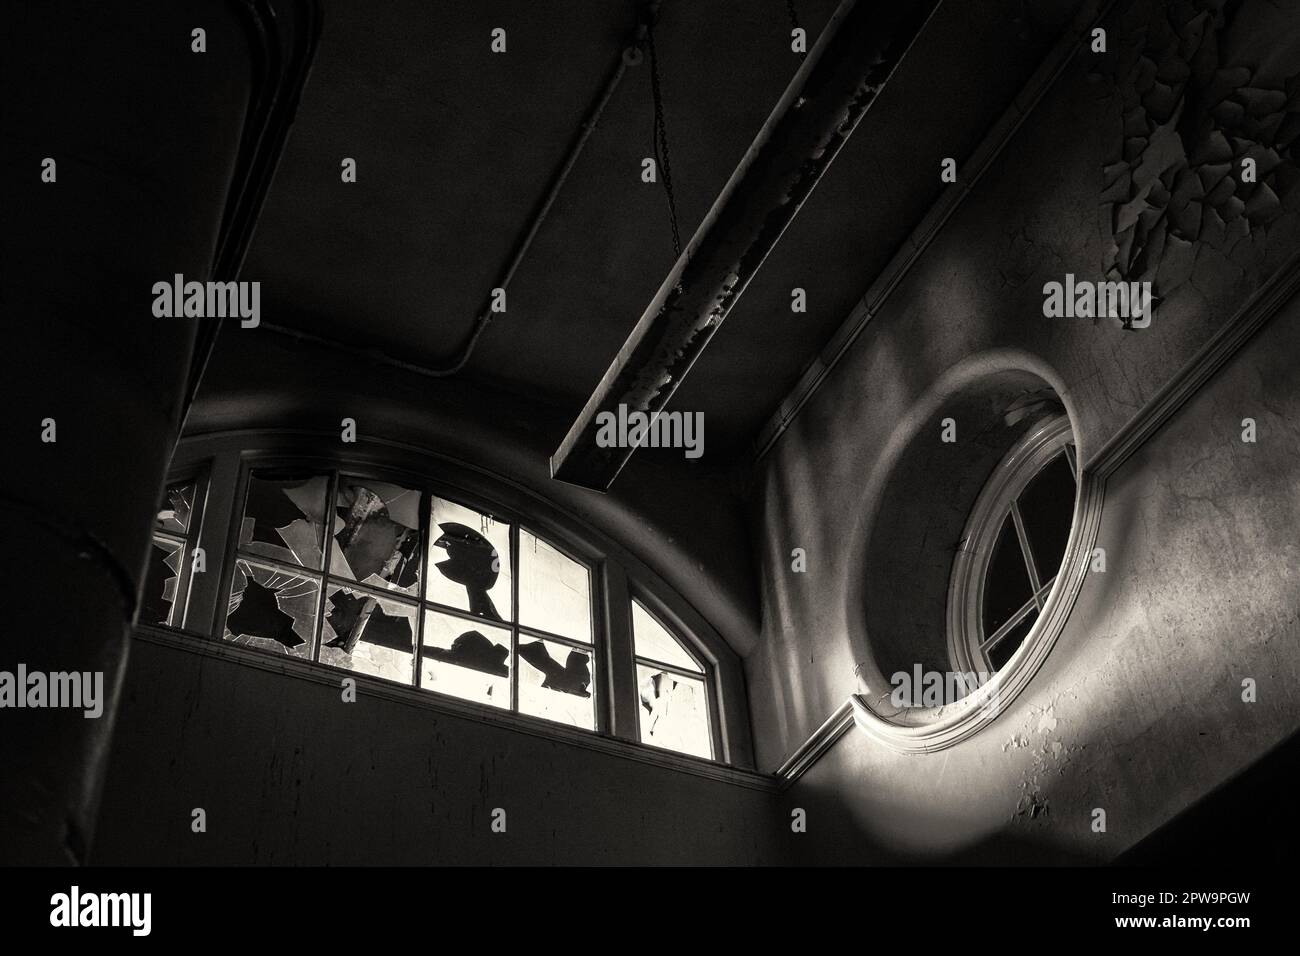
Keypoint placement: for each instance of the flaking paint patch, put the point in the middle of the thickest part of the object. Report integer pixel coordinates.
(1050, 757)
(1172, 182)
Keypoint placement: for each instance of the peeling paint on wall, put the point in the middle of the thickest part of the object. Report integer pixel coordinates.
(1173, 184)
(1050, 757)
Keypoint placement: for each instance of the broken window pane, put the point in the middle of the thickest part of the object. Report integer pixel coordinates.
(555, 682)
(674, 711)
(368, 634)
(377, 534)
(469, 561)
(161, 580)
(466, 659)
(284, 518)
(554, 590)
(652, 640)
(175, 507)
(272, 609)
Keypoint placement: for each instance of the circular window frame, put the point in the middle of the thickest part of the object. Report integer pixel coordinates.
(920, 730)
(1026, 459)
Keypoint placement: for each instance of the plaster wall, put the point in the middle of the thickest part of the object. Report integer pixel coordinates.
(288, 774)
(1138, 709)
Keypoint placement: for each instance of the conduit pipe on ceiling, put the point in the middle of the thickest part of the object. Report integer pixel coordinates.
(630, 56)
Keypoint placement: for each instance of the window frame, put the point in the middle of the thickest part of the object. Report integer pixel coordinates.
(615, 576)
(336, 468)
(662, 616)
(928, 729)
(198, 473)
(967, 645)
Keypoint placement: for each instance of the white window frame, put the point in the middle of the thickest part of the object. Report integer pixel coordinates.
(968, 646)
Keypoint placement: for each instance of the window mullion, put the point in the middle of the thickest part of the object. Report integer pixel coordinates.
(422, 587)
(514, 616)
(1026, 551)
(208, 600)
(331, 500)
(620, 668)
(1025, 610)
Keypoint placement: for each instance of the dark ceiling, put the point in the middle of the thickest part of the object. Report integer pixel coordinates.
(455, 146)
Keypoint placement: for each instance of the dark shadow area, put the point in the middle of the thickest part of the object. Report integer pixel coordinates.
(1249, 819)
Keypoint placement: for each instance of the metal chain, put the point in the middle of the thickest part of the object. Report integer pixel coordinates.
(661, 138)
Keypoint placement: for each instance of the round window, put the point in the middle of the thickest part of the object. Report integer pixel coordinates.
(1012, 550)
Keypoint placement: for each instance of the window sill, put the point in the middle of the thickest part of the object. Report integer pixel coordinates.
(196, 643)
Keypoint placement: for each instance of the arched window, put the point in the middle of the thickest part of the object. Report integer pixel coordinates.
(372, 571)
(672, 687)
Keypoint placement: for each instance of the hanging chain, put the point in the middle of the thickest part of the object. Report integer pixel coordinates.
(794, 17)
(661, 138)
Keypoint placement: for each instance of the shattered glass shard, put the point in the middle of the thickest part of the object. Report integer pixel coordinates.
(161, 579)
(354, 617)
(552, 691)
(272, 609)
(473, 650)
(674, 712)
(470, 551)
(378, 535)
(259, 615)
(369, 635)
(472, 563)
(174, 510)
(469, 664)
(572, 678)
(285, 518)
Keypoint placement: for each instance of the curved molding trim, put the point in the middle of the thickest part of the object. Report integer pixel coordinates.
(927, 729)
(1253, 316)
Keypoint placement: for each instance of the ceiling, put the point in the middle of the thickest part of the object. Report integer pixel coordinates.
(455, 147)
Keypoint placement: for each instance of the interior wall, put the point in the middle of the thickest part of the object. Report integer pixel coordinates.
(288, 774)
(1138, 708)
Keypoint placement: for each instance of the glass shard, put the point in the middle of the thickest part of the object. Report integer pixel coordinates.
(377, 535)
(653, 641)
(1006, 583)
(466, 659)
(554, 590)
(272, 609)
(555, 682)
(469, 561)
(161, 579)
(284, 518)
(368, 634)
(174, 510)
(674, 712)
